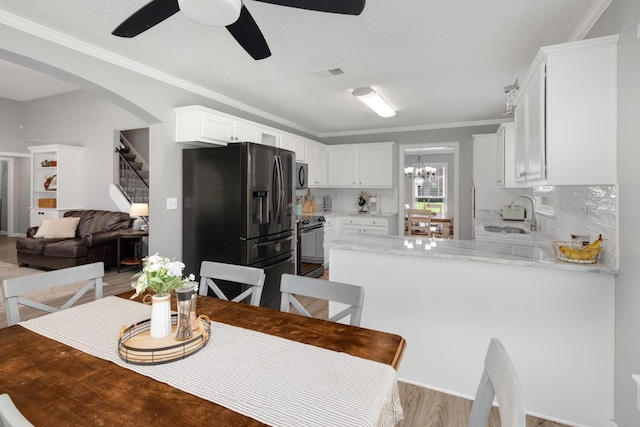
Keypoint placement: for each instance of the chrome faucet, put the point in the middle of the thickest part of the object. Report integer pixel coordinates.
(532, 221)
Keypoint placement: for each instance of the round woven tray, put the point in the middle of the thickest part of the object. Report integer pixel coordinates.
(136, 346)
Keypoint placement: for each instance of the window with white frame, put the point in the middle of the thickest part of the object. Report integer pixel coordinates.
(432, 193)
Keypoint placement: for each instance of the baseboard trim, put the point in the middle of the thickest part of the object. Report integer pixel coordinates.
(530, 413)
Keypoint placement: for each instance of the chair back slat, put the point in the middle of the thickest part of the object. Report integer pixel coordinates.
(15, 289)
(499, 379)
(343, 293)
(10, 415)
(252, 277)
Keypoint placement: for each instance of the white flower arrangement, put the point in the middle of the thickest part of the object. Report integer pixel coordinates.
(161, 275)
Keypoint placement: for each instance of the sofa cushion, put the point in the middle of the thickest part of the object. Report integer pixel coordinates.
(62, 228)
(34, 246)
(70, 248)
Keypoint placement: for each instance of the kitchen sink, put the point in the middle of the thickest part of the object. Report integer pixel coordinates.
(505, 229)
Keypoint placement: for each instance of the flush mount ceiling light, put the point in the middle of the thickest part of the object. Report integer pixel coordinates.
(374, 101)
(511, 92)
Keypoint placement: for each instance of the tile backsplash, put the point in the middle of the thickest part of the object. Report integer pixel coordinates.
(586, 210)
(346, 199)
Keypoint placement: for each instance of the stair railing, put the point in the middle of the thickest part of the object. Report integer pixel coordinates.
(132, 184)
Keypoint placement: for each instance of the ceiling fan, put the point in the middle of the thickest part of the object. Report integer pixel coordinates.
(229, 13)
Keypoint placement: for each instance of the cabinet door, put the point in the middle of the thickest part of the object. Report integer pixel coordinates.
(535, 139)
(316, 158)
(245, 133)
(329, 235)
(500, 157)
(520, 167)
(376, 166)
(214, 128)
(298, 147)
(346, 230)
(286, 142)
(343, 166)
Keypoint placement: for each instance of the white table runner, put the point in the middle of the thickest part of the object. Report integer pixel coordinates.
(274, 380)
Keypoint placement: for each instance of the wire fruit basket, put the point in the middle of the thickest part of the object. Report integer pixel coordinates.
(575, 252)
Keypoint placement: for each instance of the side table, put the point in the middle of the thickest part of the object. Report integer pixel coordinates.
(137, 236)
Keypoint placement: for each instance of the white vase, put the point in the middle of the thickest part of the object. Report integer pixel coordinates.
(160, 316)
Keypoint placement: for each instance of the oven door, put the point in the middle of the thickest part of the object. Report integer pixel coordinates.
(311, 251)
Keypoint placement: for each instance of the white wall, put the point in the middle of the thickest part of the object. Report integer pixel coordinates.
(10, 134)
(83, 119)
(622, 18)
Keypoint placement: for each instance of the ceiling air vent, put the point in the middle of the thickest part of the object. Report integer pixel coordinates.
(323, 74)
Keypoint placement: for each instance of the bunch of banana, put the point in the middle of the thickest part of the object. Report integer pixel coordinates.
(585, 253)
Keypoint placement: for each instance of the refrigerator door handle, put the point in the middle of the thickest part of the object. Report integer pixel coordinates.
(275, 185)
(272, 242)
(280, 184)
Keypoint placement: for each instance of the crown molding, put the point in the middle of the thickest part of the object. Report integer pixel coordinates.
(415, 128)
(48, 34)
(590, 20)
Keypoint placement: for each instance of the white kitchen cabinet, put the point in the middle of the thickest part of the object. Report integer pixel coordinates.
(487, 194)
(566, 116)
(330, 229)
(362, 165)
(530, 159)
(342, 165)
(372, 225)
(505, 156)
(316, 158)
(67, 170)
(286, 142)
(199, 124)
(376, 165)
(298, 148)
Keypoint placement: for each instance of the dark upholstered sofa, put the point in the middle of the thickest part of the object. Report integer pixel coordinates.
(95, 240)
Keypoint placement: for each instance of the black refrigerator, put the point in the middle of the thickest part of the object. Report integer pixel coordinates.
(238, 208)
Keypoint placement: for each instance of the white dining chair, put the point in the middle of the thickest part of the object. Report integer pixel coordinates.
(499, 379)
(352, 295)
(15, 289)
(243, 275)
(10, 416)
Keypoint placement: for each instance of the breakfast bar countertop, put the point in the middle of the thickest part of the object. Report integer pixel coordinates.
(530, 253)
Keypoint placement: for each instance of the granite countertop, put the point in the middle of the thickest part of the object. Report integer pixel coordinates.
(336, 214)
(531, 253)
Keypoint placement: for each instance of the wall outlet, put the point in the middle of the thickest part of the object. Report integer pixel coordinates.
(172, 203)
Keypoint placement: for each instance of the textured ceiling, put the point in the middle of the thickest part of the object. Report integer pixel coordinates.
(437, 62)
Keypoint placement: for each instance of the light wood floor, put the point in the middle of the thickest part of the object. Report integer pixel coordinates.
(422, 407)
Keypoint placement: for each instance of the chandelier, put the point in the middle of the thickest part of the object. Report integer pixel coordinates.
(420, 171)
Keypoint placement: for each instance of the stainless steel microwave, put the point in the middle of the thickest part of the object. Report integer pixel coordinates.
(302, 172)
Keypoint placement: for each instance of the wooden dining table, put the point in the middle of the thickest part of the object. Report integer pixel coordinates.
(54, 384)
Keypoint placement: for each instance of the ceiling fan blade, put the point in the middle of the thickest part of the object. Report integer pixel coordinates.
(149, 15)
(347, 7)
(246, 32)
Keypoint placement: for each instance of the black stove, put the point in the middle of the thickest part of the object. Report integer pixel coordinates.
(310, 246)
(310, 221)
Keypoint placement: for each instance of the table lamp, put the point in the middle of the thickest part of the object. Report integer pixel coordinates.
(138, 211)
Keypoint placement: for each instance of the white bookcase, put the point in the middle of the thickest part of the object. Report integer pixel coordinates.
(67, 192)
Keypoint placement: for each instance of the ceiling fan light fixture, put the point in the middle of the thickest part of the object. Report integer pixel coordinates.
(219, 13)
(374, 101)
